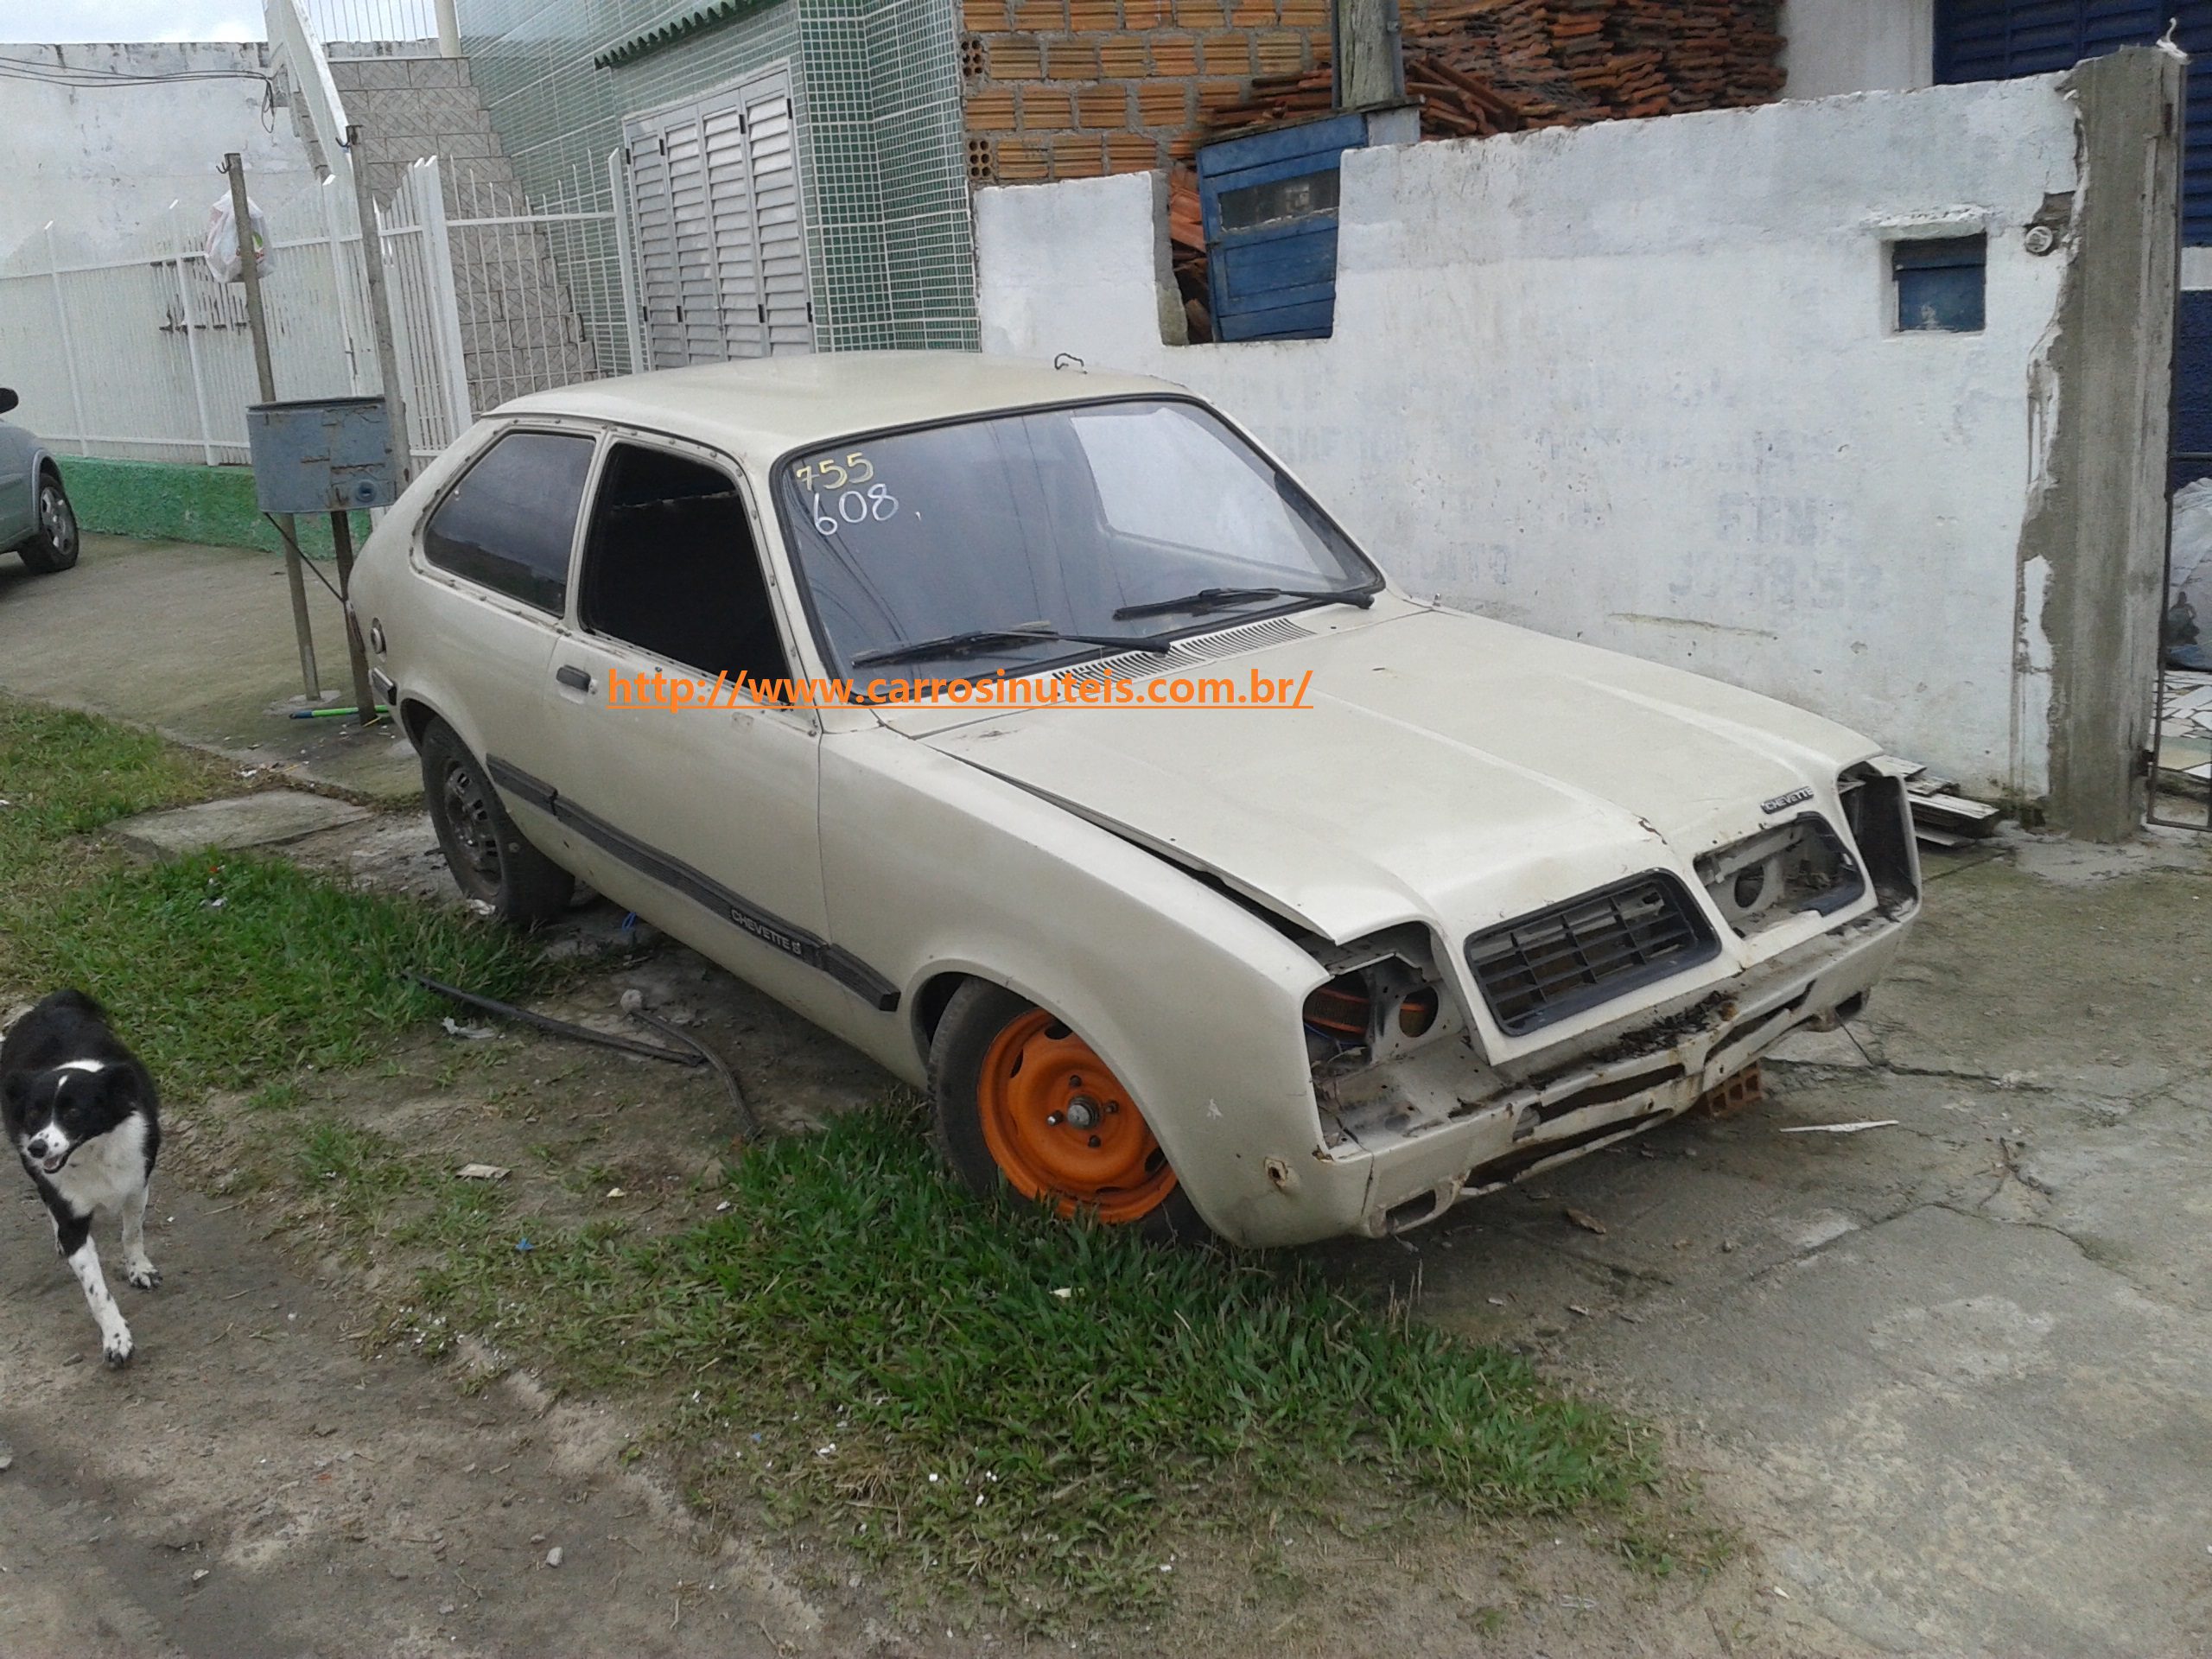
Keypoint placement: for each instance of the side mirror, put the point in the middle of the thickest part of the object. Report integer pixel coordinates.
(8, 399)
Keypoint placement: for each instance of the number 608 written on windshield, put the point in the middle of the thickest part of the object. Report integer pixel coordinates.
(852, 507)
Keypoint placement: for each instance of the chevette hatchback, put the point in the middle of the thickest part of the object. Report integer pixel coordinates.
(1044, 739)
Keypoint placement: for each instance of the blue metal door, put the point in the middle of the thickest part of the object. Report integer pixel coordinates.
(1269, 203)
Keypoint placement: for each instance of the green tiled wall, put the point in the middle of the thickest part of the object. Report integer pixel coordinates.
(156, 501)
(876, 96)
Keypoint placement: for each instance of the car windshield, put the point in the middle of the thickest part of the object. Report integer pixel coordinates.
(990, 545)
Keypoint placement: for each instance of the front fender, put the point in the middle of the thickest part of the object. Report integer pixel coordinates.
(932, 866)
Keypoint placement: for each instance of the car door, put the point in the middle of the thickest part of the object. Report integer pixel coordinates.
(18, 516)
(701, 817)
(496, 552)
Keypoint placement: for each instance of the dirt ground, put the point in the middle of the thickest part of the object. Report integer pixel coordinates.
(274, 1475)
(1947, 1380)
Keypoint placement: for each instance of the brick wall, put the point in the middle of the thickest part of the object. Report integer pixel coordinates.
(1072, 89)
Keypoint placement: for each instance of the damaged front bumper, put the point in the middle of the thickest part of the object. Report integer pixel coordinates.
(1404, 1141)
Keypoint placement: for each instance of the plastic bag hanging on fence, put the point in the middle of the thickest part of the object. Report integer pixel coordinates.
(223, 240)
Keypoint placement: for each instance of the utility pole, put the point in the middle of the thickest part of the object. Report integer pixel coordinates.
(234, 166)
(380, 306)
(1370, 65)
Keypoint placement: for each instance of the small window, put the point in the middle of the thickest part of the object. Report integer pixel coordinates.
(1939, 283)
(511, 520)
(670, 566)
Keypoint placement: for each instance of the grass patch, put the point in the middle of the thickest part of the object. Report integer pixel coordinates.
(219, 970)
(983, 1395)
(1005, 1401)
(65, 774)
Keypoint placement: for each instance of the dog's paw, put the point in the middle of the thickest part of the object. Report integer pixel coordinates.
(117, 1350)
(142, 1274)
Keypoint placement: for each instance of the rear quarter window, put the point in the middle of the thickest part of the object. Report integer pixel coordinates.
(510, 523)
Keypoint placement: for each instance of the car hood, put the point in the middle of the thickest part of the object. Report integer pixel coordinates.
(1448, 768)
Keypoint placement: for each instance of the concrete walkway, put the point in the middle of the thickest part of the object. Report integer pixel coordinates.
(195, 642)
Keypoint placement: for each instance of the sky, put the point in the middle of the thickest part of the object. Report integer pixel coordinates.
(130, 20)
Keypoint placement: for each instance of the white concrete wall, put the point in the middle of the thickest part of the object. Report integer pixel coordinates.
(1857, 46)
(1636, 383)
(103, 162)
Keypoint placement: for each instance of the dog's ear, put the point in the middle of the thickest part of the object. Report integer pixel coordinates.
(15, 1090)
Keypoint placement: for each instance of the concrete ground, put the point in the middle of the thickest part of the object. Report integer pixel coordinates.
(1952, 1377)
(197, 643)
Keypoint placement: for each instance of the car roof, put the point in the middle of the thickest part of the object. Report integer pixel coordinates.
(761, 409)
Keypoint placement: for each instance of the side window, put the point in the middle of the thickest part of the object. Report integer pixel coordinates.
(670, 566)
(511, 521)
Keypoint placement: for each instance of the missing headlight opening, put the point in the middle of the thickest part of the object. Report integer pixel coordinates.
(1880, 813)
(1781, 872)
(1384, 999)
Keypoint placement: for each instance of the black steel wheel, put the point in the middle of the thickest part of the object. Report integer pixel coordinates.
(491, 860)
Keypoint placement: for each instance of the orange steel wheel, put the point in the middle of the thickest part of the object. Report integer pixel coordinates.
(1060, 1126)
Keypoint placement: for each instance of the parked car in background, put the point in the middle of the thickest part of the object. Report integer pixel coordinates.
(36, 517)
(1486, 901)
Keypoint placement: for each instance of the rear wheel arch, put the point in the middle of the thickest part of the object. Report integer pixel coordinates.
(492, 861)
(414, 718)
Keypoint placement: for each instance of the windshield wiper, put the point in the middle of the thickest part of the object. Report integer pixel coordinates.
(973, 641)
(1214, 598)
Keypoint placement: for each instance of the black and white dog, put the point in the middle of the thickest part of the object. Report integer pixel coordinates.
(81, 1113)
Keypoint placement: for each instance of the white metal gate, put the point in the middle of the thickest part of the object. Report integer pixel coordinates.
(718, 234)
(146, 356)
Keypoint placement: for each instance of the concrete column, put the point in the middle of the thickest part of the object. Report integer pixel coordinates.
(449, 30)
(2098, 526)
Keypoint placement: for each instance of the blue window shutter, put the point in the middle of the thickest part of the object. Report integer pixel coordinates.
(1994, 40)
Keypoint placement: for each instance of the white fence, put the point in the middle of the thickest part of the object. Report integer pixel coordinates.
(150, 359)
(373, 20)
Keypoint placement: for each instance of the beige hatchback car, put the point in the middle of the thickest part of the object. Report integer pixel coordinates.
(1476, 901)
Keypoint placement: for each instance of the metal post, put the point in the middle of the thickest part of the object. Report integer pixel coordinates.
(449, 30)
(68, 350)
(426, 187)
(380, 305)
(302, 629)
(192, 338)
(617, 197)
(341, 542)
(341, 286)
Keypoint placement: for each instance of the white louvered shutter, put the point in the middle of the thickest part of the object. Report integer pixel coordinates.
(787, 307)
(653, 237)
(721, 240)
(697, 277)
(730, 208)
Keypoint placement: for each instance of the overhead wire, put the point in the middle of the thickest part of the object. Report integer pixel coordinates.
(86, 77)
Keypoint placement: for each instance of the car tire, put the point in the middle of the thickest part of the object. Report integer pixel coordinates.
(54, 546)
(1024, 1105)
(491, 862)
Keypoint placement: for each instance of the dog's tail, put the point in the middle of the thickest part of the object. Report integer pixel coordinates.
(73, 1000)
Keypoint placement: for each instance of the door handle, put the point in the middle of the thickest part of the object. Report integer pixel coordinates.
(575, 678)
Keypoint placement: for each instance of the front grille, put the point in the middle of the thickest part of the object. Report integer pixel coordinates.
(1571, 956)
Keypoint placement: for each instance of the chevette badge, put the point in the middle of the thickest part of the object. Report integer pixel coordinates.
(1791, 799)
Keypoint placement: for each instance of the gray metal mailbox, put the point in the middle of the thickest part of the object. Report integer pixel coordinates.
(322, 455)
